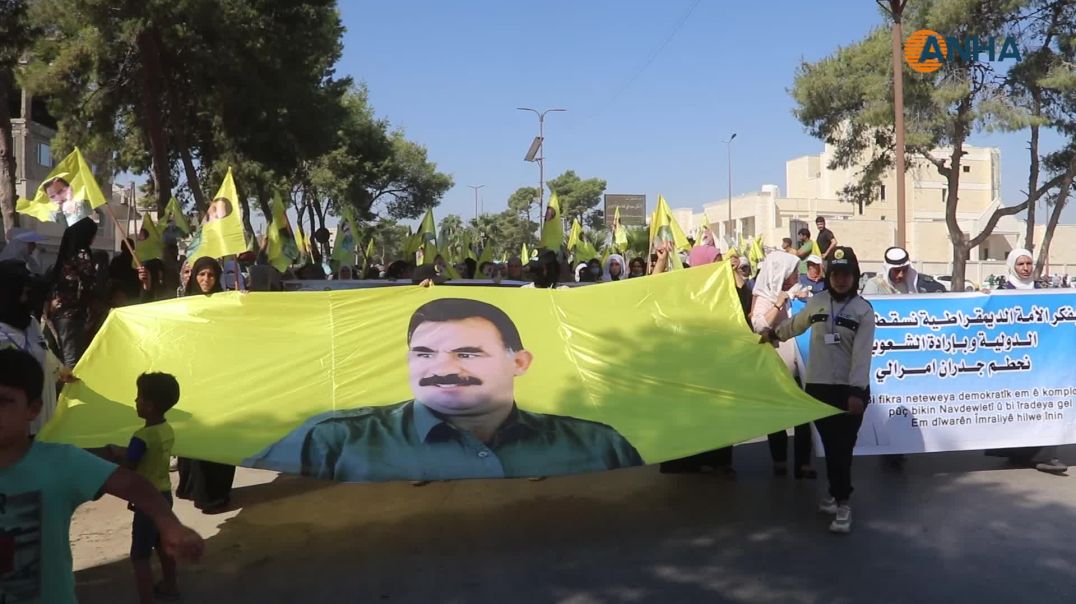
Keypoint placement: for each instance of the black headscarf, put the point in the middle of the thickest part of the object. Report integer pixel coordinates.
(13, 281)
(204, 262)
(77, 238)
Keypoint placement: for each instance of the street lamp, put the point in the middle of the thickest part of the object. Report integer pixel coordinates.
(536, 154)
(476, 188)
(728, 151)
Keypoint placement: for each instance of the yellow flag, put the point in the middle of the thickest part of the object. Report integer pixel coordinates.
(282, 248)
(174, 214)
(665, 228)
(426, 238)
(553, 227)
(345, 244)
(575, 235)
(149, 243)
(620, 234)
(524, 254)
(222, 233)
(814, 248)
(69, 193)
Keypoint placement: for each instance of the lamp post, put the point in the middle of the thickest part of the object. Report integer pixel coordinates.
(476, 188)
(537, 154)
(728, 151)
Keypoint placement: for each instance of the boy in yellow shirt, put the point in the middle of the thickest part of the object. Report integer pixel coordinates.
(148, 454)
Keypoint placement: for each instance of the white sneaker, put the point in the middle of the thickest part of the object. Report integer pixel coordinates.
(1054, 466)
(827, 506)
(842, 523)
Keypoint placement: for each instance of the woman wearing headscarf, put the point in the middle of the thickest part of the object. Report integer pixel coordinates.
(1021, 271)
(19, 329)
(613, 269)
(73, 279)
(776, 284)
(582, 275)
(1021, 276)
(207, 483)
(704, 253)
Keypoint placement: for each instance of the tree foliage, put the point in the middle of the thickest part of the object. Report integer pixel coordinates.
(184, 89)
(579, 198)
(846, 100)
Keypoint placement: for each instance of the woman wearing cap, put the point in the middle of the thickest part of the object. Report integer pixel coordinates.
(1021, 276)
(838, 372)
(775, 285)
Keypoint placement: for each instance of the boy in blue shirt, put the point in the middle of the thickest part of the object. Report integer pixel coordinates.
(148, 454)
(41, 484)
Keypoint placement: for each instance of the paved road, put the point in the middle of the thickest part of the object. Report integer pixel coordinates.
(956, 527)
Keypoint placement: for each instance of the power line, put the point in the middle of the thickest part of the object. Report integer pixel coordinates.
(653, 55)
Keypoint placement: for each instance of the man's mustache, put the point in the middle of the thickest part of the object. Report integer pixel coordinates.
(453, 379)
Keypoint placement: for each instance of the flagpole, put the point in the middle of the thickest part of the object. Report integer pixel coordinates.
(123, 238)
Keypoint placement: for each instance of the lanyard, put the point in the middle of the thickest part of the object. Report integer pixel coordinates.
(832, 317)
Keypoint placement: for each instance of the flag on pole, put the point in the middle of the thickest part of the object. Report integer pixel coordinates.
(149, 244)
(222, 233)
(346, 243)
(426, 238)
(620, 234)
(174, 216)
(553, 227)
(524, 254)
(67, 194)
(665, 229)
(576, 235)
(282, 248)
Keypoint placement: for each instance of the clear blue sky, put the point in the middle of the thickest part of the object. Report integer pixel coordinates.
(452, 73)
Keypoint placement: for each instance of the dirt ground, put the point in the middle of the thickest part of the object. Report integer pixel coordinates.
(949, 527)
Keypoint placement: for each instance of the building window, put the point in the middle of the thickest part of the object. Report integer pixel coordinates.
(881, 193)
(966, 169)
(44, 155)
(945, 194)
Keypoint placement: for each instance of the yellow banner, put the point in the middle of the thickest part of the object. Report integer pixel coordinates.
(443, 382)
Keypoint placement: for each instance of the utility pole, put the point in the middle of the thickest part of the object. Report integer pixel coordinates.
(476, 188)
(540, 156)
(896, 11)
(728, 152)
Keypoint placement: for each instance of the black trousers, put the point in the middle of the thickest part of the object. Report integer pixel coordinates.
(801, 446)
(71, 336)
(838, 433)
(206, 483)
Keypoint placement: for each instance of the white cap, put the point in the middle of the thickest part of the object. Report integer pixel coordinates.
(812, 259)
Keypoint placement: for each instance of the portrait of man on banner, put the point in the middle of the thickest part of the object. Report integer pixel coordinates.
(463, 358)
(219, 208)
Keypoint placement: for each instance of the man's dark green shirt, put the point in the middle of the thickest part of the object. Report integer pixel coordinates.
(409, 441)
